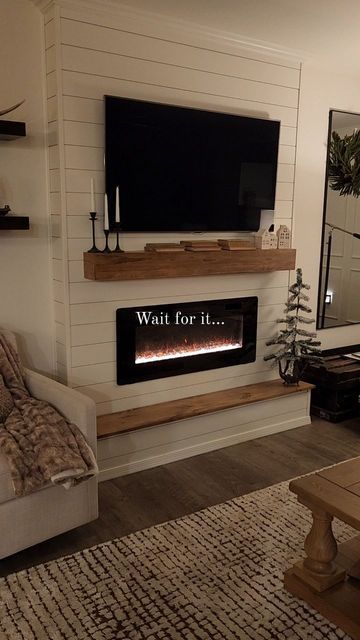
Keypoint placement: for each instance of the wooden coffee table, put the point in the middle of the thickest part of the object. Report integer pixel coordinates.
(322, 579)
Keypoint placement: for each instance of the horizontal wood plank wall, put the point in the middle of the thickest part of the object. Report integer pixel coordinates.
(58, 241)
(101, 54)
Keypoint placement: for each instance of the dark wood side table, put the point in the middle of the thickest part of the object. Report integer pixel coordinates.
(337, 382)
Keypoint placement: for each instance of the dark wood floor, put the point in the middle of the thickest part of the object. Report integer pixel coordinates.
(143, 499)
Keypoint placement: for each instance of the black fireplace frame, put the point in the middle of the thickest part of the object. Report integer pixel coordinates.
(129, 373)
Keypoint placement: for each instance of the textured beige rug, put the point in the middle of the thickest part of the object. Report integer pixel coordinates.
(212, 575)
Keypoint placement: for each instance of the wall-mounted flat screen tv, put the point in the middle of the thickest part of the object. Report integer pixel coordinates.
(187, 170)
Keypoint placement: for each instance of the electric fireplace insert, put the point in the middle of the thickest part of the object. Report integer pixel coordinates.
(166, 340)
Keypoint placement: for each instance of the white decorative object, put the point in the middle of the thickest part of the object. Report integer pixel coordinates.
(8, 109)
(92, 191)
(106, 213)
(117, 205)
(266, 239)
(283, 237)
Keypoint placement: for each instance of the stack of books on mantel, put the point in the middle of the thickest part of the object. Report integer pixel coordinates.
(200, 245)
(164, 246)
(236, 245)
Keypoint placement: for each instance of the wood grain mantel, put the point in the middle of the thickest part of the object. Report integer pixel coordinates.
(142, 265)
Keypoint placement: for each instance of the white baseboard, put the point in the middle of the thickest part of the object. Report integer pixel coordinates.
(136, 451)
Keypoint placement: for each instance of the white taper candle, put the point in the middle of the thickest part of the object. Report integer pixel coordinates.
(106, 213)
(92, 199)
(117, 205)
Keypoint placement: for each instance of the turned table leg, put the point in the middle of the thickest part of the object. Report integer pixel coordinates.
(319, 569)
(320, 545)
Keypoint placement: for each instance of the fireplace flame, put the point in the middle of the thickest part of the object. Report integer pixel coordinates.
(186, 350)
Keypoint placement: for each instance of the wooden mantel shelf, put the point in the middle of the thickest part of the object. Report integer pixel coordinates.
(112, 424)
(142, 265)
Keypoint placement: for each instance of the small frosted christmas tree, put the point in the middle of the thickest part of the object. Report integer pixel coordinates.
(297, 346)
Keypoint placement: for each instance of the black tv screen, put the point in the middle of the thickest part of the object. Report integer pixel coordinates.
(182, 169)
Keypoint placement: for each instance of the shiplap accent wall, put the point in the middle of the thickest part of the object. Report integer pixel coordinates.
(57, 191)
(91, 54)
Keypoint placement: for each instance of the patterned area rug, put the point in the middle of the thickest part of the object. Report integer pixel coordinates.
(212, 575)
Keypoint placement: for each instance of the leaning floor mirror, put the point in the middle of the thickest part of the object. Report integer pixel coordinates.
(339, 285)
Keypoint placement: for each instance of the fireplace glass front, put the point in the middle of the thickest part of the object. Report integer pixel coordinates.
(166, 340)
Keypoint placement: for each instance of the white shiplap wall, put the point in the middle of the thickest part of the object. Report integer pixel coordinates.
(57, 190)
(91, 54)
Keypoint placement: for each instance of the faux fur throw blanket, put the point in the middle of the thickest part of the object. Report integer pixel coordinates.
(40, 445)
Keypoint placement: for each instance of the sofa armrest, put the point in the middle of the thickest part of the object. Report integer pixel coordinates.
(75, 406)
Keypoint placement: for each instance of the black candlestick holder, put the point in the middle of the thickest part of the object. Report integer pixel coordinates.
(94, 248)
(106, 248)
(118, 249)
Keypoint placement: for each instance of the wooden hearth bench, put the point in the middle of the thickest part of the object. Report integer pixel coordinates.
(323, 578)
(151, 415)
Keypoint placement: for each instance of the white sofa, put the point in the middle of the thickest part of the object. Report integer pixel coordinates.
(53, 510)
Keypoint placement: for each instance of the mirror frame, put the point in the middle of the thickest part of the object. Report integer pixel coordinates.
(320, 315)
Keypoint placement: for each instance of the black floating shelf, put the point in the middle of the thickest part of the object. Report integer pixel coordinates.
(13, 223)
(9, 130)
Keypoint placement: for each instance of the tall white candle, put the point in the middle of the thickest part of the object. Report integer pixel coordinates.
(106, 213)
(117, 205)
(92, 199)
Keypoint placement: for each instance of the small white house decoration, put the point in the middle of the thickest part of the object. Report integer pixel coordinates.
(283, 237)
(266, 239)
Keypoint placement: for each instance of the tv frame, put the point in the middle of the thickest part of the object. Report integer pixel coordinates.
(255, 212)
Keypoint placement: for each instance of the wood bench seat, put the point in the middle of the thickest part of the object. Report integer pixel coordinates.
(165, 412)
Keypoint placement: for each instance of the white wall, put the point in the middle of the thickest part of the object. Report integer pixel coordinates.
(25, 304)
(321, 90)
